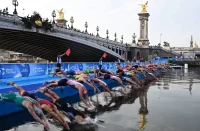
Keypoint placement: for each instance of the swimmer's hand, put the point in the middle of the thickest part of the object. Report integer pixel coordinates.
(95, 90)
(46, 127)
(98, 90)
(89, 105)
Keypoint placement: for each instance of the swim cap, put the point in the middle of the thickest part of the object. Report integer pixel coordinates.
(86, 71)
(77, 76)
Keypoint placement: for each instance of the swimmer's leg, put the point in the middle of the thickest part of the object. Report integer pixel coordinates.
(132, 82)
(55, 115)
(105, 87)
(119, 81)
(47, 82)
(19, 88)
(44, 91)
(135, 78)
(53, 94)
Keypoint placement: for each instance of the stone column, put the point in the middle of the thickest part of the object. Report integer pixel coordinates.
(143, 40)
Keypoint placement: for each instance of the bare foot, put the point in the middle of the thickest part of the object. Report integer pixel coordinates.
(10, 83)
(46, 82)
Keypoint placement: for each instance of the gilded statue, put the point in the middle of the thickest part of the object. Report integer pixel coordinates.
(60, 14)
(144, 6)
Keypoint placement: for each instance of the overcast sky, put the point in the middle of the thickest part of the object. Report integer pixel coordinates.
(177, 20)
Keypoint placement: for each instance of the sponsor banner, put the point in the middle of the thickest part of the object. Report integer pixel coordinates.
(37, 69)
(9, 71)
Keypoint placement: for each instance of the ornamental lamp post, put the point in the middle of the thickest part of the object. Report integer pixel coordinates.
(107, 32)
(115, 36)
(160, 38)
(97, 31)
(72, 21)
(122, 38)
(134, 36)
(86, 26)
(53, 14)
(6, 10)
(15, 3)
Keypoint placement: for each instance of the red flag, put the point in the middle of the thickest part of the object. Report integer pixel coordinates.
(123, 55)
(104, 55)
(68, 52)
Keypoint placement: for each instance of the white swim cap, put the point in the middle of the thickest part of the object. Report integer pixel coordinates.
(37, 111)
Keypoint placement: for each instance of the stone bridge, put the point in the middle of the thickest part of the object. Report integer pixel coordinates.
(47, 45)
(84, 47)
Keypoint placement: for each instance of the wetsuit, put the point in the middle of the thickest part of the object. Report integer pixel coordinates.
(108, 76)
(120, 72)
(25, 93)
(45, 102)
(73, 83)
(18, 100)
(62, 82)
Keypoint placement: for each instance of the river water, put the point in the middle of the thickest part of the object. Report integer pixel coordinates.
(170, 104)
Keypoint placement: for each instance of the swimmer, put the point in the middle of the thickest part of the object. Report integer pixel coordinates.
(102, 84)
(58, 65)
(74, 84)
(63, 105)
(112, 77)
(29, 104)
(45, 105)
(100, 63)
(21, 91)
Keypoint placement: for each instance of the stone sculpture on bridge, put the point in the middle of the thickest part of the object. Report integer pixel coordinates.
(60, 14)
(144, 6)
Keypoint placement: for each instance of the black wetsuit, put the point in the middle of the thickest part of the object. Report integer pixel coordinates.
(120, 72)
(107, 76)
(25, 93)
(62, 82)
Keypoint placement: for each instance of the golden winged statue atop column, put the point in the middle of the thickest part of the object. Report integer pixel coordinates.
(60, 14)
(144, 6)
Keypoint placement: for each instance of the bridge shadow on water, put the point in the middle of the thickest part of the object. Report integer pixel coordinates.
(23, 121)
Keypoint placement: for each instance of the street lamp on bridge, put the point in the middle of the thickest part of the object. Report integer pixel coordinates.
(134, 36)
(115, 36)
(53, 14)
(122, 38)
(107, 34)
(97, 30)
(15, 3)
(160, 38)
(72, 21)
(86, 26)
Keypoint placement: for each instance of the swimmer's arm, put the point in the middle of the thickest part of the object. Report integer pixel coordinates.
(64, 73)
(35, 116)
(81, 97)
(19, 88)
(93, 86)
(59, 76)
(44, 117)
